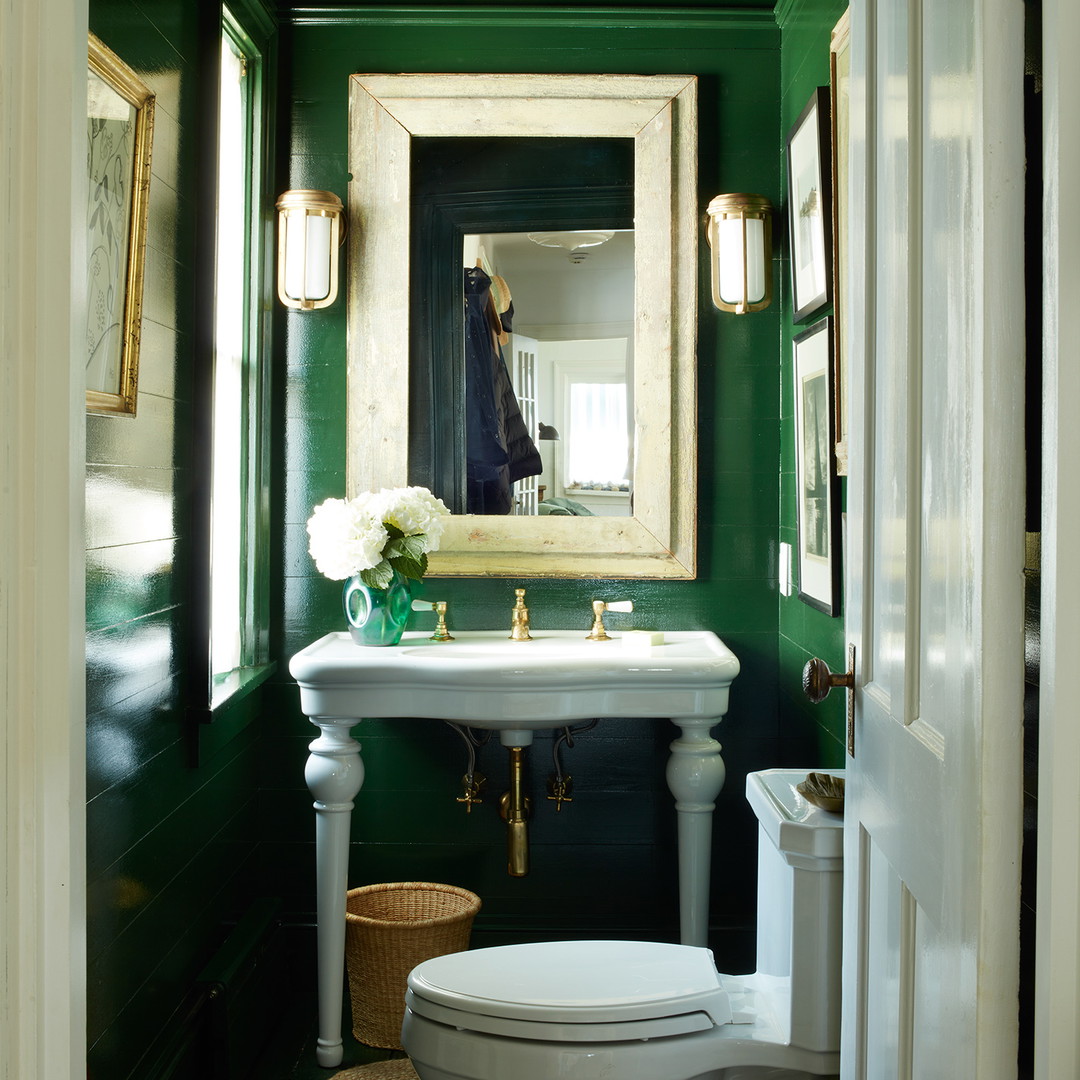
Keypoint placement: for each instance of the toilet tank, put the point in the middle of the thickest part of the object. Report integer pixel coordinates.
(799, 906)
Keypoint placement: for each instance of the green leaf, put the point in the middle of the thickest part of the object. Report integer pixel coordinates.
(410, 567)
(379, 576)
(415, 545)
(407, 547)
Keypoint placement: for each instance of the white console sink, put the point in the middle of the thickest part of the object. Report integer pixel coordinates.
(485, 680)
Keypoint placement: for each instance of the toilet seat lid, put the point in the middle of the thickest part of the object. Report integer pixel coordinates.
(576, 982)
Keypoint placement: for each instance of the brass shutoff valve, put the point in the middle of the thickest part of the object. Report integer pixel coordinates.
(471, 784)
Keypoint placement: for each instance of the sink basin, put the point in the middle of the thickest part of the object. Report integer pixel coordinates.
(484, 679)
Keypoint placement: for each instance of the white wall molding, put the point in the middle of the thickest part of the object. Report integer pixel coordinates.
(1057, 947)
(42, 423)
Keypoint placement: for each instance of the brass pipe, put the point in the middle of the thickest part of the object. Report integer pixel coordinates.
(515, 809)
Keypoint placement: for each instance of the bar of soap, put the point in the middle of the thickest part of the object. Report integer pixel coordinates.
(641, 641)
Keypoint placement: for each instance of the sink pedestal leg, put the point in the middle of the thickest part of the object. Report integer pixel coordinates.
(695, 775)
(334, 775)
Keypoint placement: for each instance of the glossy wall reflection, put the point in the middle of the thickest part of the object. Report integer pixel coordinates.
(169, 847)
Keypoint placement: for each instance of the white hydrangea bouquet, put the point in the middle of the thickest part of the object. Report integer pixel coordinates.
(376, 533)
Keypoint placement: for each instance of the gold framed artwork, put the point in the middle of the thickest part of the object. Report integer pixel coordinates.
(840, 80)
(119, 134)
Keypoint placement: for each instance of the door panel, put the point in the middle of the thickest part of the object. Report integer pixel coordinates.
(935, 534)
(521, 354)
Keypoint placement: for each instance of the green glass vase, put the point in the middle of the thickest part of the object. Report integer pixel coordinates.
(377, 616)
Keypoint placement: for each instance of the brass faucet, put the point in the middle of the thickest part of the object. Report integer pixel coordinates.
(519, 619)
(599, 632)
(441, 632)
(439, 607)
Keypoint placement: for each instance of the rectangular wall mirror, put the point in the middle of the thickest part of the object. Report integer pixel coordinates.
(628, 369)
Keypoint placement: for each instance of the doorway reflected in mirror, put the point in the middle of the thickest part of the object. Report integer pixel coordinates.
(560, 311)
(548, 223)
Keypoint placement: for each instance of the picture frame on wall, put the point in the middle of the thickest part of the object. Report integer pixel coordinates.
(119, 134)
(840, 88)
(810, 206)
(818, 507)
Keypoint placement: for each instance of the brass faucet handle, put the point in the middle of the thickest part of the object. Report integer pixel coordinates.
(599, 631)
(471, 784)
(519, 618)
(559, 788)
(439, 607)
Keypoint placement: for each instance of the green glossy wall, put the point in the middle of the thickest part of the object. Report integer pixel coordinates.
(170, 847)
(607, 860)
(813, 734)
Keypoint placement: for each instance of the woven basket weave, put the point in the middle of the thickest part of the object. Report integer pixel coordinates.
(389, 929)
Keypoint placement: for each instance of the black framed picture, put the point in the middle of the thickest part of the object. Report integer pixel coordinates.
(810, 206)
(840, 104)
(818, 508)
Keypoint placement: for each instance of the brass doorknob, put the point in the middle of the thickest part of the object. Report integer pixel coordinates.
(818, 680)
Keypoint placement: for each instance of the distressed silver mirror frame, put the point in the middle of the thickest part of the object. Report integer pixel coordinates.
(659, 112)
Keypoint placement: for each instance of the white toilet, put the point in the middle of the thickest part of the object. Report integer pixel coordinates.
(633, 1010)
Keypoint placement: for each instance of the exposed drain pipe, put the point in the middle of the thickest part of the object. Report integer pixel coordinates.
(514, 807)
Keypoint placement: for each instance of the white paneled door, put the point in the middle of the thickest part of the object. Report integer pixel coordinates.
(934, 606)
(521, 358)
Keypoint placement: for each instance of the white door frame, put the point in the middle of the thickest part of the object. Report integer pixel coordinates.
(1057, 948)
(42, 547)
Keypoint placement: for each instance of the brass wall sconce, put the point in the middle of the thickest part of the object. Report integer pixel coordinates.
(311, 227)
(740, 236)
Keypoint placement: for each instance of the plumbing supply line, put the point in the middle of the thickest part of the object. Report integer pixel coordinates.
(567, 737)
(471, 740)
(472, 782)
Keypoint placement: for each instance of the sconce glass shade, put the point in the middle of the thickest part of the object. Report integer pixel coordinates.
(740, 236)
(309, 235)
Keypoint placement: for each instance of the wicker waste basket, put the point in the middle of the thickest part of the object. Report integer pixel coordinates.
(389, 929)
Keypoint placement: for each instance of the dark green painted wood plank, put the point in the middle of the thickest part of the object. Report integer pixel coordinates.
(128, 580)
(124, 735)
(813, 731)
(130, 996)
(131, 506)
(186, 813)
(129, 658)
(146, 441)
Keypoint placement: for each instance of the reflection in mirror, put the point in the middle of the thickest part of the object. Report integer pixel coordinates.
(549, 318)
(469, 441)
